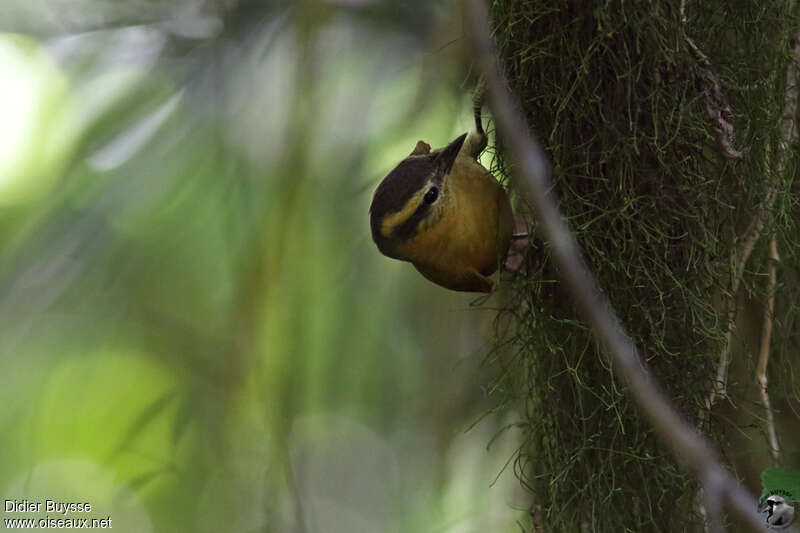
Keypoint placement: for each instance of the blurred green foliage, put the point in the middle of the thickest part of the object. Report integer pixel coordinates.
(196, 332)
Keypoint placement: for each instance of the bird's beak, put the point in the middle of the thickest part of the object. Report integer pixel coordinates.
(447, 156)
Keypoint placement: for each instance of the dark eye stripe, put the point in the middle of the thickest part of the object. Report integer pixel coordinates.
(408, 228)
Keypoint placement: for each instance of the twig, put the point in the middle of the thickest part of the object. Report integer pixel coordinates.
(532, 180)
(718, 110)
(740, 258)
(764, 214)
(766, 337)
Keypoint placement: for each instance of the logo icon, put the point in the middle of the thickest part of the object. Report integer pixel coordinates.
(778, 498)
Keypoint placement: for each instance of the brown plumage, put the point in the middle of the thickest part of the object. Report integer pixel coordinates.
(446, 214)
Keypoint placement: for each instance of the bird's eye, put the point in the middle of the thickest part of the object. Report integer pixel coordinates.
(431, 195)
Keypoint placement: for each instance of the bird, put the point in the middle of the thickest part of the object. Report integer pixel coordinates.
(780, 514)
(445, 213)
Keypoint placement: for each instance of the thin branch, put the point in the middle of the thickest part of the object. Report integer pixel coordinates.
(532, 180)
(788, 136)
(766, 338)
(740, 257)
(764, 214)
(719, 111)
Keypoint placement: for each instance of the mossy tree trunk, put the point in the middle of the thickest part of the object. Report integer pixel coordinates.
(664, 125)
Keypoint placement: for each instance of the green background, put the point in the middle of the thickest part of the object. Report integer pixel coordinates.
(196, 331)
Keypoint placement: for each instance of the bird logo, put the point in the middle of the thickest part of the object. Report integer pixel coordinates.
(780, 487)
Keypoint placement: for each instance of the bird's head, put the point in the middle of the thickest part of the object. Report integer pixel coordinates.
(411, 197)
(780, 514)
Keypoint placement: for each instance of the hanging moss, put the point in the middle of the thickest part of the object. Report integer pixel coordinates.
(620, 100)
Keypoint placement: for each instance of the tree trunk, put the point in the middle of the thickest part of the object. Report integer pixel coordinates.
(671, 132)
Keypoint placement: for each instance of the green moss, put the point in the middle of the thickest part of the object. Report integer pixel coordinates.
(617, 96)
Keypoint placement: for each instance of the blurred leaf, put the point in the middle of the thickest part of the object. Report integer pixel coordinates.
(141, 423)
(183, 416)
(138, 482)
